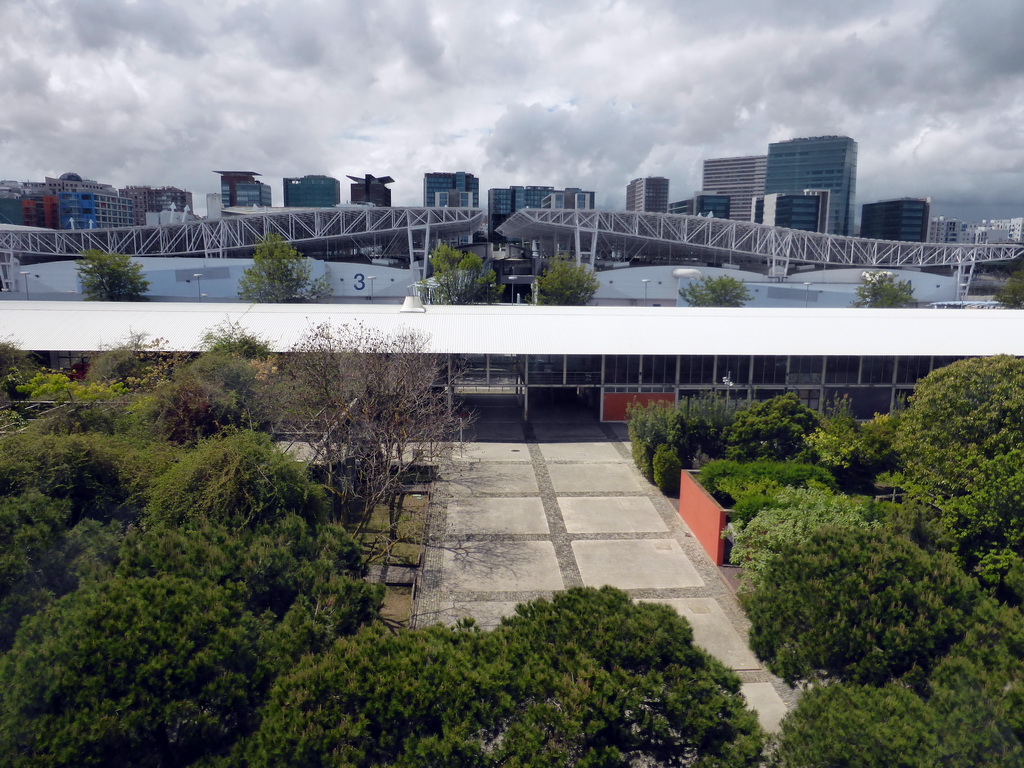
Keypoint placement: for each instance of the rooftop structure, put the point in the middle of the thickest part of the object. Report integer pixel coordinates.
(371, 190)
(904, 219)
(312, 191)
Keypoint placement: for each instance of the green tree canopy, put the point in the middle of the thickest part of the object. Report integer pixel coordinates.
(241, 480)
(960, 417)
(460, 277)
(586, 679)
(153, 671)
(883, 290)
(773, 430)
(566, 283)
(111, 277)
(863, 606)
(710, 291)
(280, 275)
(1011, 295)
(858, 726)
(790, 516)
(232, 339)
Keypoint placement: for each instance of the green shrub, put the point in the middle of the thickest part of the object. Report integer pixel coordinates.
(715, 476)
(666, 466)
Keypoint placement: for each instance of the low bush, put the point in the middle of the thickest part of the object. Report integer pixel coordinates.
(666, 468)
(718, 476)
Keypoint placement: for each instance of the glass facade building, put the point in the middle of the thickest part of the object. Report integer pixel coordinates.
(905, 219)
(312, 192)
(451, 190)
(821, 162)
(242, 189)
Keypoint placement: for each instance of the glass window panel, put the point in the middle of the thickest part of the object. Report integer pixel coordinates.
(876, 370)
(769, 369)
(736, 368)
(842, 370)
(659, 369)
(910, 369)
(805, 369)
(696, 369)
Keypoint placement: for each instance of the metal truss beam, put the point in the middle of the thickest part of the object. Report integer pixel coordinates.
(239, 235)
(623, 235)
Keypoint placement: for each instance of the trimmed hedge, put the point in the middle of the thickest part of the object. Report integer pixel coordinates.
(792, 474)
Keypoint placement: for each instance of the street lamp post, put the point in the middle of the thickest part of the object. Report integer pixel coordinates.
(645, 281)
(807, 294)
(370, 279)
(28, 295)
(199, 289)
(512, 288)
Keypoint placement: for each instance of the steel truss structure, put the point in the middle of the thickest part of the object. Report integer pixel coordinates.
(625, 236)
(409, 232)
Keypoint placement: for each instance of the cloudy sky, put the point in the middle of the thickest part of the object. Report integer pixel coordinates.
(587, 93)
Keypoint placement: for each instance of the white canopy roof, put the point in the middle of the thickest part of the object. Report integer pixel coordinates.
(505, 329)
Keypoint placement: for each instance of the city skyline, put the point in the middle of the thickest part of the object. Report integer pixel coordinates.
(158, 93)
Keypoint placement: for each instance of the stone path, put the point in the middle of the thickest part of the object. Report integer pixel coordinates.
(561, 505)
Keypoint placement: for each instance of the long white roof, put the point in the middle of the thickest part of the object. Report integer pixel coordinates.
(505, 329)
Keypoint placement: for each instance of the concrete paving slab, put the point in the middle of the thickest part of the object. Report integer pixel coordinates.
(505, 452)
(499, 432)
(713, 631)
(501, 566)
(764, 700)
(635, 564)
(593, 478)
(610, 514)
(566, 431)
(580, 452)
(497, 515)
(493, 478)
(487, 613)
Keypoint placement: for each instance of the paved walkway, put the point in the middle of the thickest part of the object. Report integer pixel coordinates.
(530, 509)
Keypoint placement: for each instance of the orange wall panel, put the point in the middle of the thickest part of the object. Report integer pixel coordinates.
(704, 516)
(615, 402)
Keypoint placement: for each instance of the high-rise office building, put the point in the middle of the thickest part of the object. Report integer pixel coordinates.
(241, 189)
(807, 211)
(648, 194)
(451, 190)
(155, 199)
(943, 230)
(88, 204)
(741, 178)
(312, 191)
(371, 190)
(906, 219)
(820, 162)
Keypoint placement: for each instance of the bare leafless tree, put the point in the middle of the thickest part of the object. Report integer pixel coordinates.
(371, 407)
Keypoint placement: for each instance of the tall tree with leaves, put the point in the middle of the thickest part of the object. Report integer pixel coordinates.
(111, 277)
(281, 275)
(1011, 295)
(565, 283)
(721, 291)
(460, 277)
(883, 290)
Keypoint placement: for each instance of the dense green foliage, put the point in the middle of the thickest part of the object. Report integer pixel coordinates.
(856, 454)
(859, 726)
(460, 278)
(1011, 295)
(857, 605)
(564, 282)
(157, 671)
(111, 277)
(728, 481)
(666, 468)
(240, 481)
(280, 275)
(721, 291)
(587, 678)
(230, 338)
(789, 517)
(694, 429)
(772, 430)
(883, 290)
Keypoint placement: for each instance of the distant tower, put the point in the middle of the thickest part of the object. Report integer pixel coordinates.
(312, 192)
(451, 190)
(648, 194)
(240, 188)
(820, 162)
(372, 190)
(741, 178)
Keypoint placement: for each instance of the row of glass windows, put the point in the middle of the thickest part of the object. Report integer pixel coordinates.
(727, 370)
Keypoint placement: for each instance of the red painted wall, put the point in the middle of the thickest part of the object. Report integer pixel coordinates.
(703, 515)
(615, 402)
